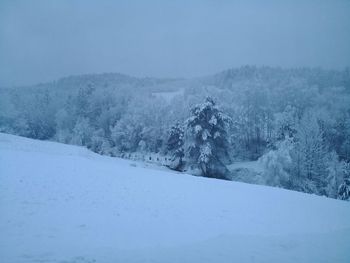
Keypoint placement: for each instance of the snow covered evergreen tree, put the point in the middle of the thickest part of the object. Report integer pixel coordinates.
(208, 144)
(344, 188)
(175, 146)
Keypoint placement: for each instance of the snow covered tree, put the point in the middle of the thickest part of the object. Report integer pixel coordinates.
(344, 188)
(99, 142)
(344, 134)
(82, 132)
(126, 134)
(175, 146)
(335, 174)
(285, 123)
(82, 100)
(36, 115)
(309, 156)
(277, 163)
(256, 119)
(207, 134)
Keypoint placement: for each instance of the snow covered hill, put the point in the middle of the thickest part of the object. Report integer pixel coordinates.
(61, 203)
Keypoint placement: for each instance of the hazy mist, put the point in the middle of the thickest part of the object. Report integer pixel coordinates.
(44, 40)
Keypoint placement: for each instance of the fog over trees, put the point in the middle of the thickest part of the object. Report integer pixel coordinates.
(294, 122)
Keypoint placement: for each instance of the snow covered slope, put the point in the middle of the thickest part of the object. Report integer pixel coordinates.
(60, 203)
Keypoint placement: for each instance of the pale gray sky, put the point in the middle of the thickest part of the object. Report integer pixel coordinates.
(41, 40)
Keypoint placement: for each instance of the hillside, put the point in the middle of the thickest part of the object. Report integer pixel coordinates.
(61, 203)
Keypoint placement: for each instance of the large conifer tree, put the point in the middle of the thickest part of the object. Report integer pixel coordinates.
(208, 145)
(175, 146)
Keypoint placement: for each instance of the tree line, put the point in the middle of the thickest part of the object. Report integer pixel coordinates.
(294, 122)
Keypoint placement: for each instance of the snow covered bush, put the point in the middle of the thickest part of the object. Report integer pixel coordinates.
(277, 164)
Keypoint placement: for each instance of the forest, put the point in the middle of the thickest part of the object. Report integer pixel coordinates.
(294, 123)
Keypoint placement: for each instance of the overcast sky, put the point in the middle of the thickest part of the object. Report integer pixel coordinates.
(42, 40)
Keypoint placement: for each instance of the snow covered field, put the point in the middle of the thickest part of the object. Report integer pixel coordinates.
(61, 203)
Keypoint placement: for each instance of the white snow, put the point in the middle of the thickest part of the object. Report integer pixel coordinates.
(61, 203)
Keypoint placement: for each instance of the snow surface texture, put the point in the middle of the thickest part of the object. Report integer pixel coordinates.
(61, 203)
